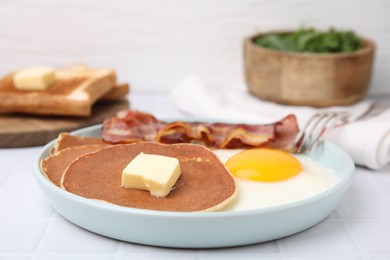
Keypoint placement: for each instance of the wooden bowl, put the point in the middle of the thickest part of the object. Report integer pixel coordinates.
(317, 80)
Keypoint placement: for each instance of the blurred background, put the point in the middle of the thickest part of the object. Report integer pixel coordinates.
(154, 44)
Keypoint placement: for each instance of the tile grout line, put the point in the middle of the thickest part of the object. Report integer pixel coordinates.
(382, 183)
(120, 254)
(357, 242)
(281, 246)
(40, 246)
(3, 184)
(5, 180)
(20, 166)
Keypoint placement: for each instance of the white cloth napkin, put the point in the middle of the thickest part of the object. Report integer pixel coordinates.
(367, 141)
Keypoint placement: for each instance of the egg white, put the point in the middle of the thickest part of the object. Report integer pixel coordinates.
(315, 178)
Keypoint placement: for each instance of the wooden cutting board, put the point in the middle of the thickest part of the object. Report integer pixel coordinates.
(18, 130)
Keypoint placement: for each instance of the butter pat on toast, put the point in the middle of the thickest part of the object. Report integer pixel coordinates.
(72, 93)
(37, 78)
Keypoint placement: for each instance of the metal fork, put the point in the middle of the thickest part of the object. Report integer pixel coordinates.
(312, 135)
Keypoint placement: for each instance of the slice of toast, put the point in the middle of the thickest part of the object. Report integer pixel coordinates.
(73, 93)
(119, 91)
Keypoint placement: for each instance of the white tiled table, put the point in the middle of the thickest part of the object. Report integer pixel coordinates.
(30, 229)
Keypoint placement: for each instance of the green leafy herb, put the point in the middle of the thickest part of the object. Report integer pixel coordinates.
(311, 40)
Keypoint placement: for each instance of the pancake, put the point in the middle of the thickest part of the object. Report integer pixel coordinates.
(54, 166)
(205, 183)
(66, 140)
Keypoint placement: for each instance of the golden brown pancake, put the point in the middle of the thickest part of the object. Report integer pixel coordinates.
(54, 166)
(205, 183)
(66, 140)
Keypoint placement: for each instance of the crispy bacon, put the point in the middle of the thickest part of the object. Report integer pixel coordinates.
(130, 126)
(133, 126)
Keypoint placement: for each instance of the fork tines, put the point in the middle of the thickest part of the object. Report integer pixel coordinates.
(313, 134)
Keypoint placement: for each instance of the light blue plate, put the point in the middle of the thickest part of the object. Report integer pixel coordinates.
(202, 229)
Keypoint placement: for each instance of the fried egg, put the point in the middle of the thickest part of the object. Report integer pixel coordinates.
(269, 177)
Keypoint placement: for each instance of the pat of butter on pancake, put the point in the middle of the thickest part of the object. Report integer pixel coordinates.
(35, 78)
(155, 173)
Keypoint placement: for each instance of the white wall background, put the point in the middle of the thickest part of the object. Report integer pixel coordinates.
(154, 44)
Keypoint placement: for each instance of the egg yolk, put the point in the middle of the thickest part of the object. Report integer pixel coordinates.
(265, 165)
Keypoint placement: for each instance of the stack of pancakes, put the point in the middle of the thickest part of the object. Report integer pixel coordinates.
(91, 168)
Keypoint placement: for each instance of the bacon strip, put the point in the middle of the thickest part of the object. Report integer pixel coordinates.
(133, 126)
